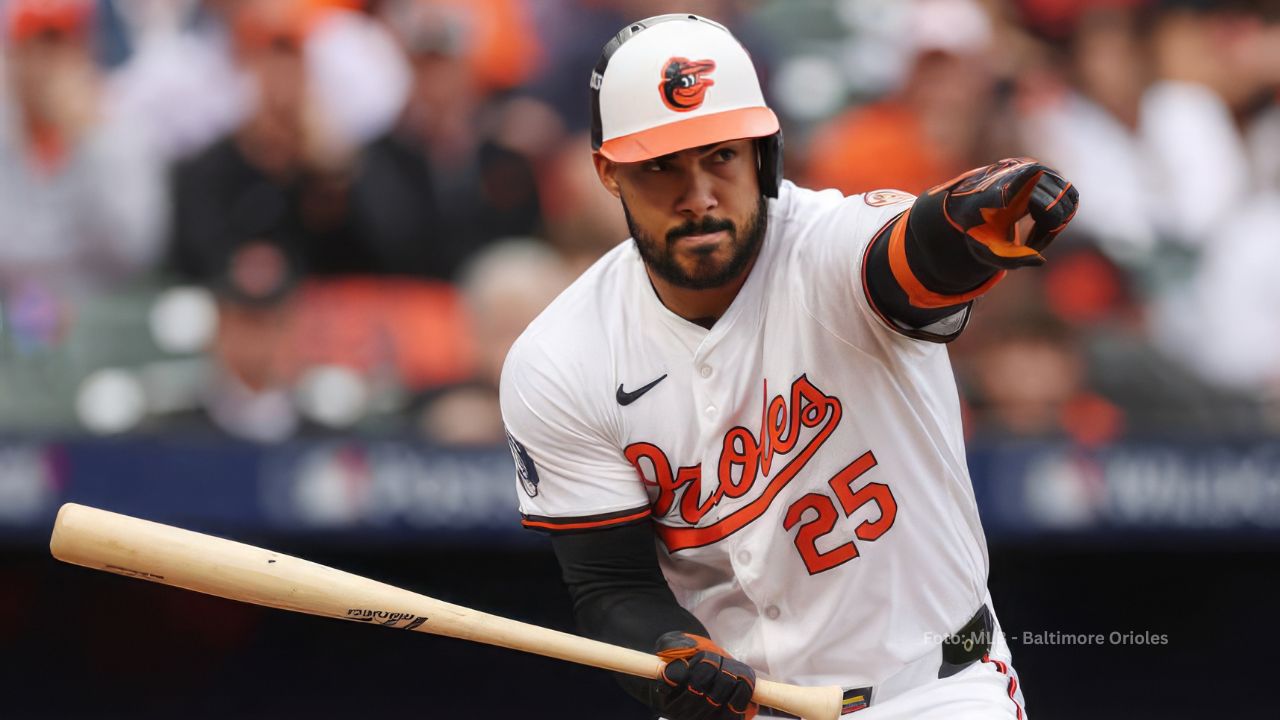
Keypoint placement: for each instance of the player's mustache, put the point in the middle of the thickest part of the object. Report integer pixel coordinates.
(706, 226)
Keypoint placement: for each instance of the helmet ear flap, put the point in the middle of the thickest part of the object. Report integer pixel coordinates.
(769, 157)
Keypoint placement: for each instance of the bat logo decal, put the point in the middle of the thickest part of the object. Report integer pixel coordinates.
(390, 619)
(685, 82)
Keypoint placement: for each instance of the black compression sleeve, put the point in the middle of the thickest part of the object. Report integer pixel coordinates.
(619, 593)
(937, 255)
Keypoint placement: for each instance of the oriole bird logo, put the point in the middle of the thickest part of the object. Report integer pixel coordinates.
(685, 82)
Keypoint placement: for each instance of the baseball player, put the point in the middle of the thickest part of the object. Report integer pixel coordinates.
(741, 429)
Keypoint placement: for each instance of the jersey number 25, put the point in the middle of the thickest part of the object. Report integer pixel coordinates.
(827, 515)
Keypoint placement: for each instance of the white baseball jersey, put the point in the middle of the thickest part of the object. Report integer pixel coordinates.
(802, 463)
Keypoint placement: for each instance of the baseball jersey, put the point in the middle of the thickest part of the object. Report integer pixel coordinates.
(801, 461)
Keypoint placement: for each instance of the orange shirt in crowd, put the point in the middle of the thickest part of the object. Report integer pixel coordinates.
(876, 146)
(504, 50)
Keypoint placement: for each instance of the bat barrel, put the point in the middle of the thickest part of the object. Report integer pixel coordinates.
(146, 550)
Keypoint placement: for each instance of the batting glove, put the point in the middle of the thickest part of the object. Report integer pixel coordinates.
(986, 204)
(703, 682)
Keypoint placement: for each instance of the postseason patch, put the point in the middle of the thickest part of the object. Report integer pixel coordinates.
(525, 469)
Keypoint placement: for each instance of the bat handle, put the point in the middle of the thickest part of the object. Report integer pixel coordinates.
(810, 703)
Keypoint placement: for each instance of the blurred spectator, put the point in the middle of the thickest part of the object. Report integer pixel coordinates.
(1217, 99)
(286, 176)
(1029, 381)
(1233, 336)
(179, 79)
(81, 200)
(1156, 138)
(1154, 120)
(501, 49)
(583, 221)
(460, 150)
(933, 127)
(1083, 117)
(248, 392)
(505, 288)
(1188, 124)
(1167, 113)
(1083, 319)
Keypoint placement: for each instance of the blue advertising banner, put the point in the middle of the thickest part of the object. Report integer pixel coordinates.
(392, 491)
(1137, 487)
(362, 490)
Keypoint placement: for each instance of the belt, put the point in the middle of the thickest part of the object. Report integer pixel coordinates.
(957, 651)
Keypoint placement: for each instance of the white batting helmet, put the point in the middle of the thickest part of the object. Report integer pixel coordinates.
(679, 81)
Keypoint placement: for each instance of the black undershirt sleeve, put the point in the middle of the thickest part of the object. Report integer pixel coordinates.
(619, 593)
(939, 258)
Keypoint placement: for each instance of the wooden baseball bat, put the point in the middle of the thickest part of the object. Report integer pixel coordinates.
(146, 550)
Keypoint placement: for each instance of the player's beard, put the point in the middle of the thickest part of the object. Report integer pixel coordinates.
(659, 256)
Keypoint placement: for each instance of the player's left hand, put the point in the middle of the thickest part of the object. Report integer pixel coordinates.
(986, 204)
(703, 682)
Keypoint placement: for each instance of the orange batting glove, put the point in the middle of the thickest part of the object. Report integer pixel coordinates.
(986, 204)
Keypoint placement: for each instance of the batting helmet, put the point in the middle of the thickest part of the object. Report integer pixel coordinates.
(674, 82)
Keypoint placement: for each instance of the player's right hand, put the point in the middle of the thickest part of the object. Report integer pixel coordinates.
(703, 682)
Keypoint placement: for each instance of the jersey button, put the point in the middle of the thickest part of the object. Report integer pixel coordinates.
(711, 411)
(744, 557)
(772, 612)
(705, 371)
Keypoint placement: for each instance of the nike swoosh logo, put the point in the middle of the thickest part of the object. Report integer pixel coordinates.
(626, 398)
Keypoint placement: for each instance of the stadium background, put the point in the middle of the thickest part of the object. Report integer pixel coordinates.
(260, 261)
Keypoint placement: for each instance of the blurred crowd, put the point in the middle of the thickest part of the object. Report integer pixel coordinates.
(271, 218)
